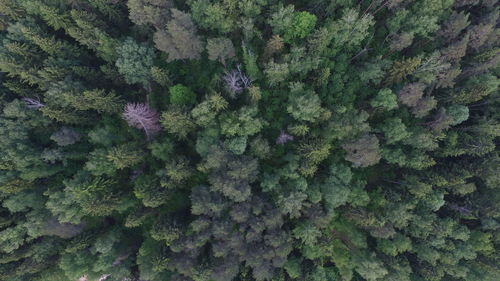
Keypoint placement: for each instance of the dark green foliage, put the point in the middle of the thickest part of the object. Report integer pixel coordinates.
(181, 95)
(249, 140)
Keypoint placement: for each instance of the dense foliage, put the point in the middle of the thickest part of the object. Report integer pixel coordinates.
(249, 140)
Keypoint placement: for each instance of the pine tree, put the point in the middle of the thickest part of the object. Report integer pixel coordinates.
(401, 69)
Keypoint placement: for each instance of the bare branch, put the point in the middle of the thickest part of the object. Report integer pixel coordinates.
(284, 138)
(141, 116)
(236, 80)
(33, 103)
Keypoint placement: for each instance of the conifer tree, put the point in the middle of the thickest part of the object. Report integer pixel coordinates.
(260, 140)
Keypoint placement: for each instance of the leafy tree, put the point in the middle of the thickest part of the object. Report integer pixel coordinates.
(281, 20)
(160, 76)
(369, 267)
(205, 112)
(99, 164)
(292, 204)
(363, 152)
(241, 123)
(478, 34)
(351, 29)
(401, 41)
(177, 122)
(181, 95)
(259, 147)
(149, 191)
(236, 145)
(306, 232)
(386, 99)
(65, 136)
(293, 268)
(155, 12)
(476, 88)
(88, 31)
(458, 113)
(220, 49)
(276, 72)
(135, 61)
(302, 23)
(179, 39)
(455, 51)
(98, 196)
(214, 16)
(304, 105)
(398, 244)
(355, 141)
(394, 130)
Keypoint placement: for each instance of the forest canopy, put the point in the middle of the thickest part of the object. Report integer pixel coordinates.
(249, 140)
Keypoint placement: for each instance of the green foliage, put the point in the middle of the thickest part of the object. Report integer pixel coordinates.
(179, 39)
(220, 49)
(304, 105)
(251, 66)
(401, 69)
(292, 204)
(286, 140)
(276, 72)
(236, 145)
(177, 122)
(394, 130)
(306, 232)
(99, 163)
(213, 15)
(125, 156)
(385, 99)
(241, 123)
(205, 112)
(458, 113)
(281, 20)
(363, 152)
(293, 268)
(160, 76)
(100, 101)
(392, 247)
(301, 25)
(369, 267)
(154, 12)
(181, 95)
(350, 30)
(135, 61)
(99, 196)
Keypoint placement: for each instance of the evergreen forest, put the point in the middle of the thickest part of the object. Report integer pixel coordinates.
(249, 140)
